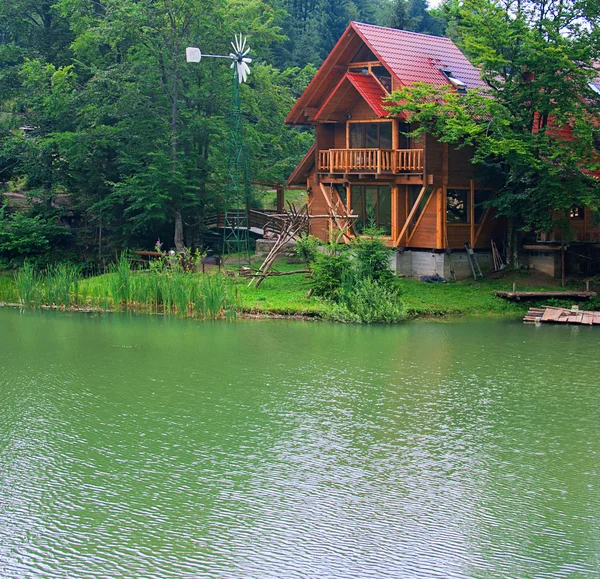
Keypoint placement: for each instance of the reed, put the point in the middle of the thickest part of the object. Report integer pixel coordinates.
(171, 291)
(27, 285)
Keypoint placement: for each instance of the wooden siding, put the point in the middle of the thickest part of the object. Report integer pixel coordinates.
(424, 234)
(317, 206)
(460, 168)
(434, 161)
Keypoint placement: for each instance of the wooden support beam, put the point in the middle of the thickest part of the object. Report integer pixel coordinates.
(472, 214)
(480, 228)
(427, 204)
(410, 215)
(440, 221)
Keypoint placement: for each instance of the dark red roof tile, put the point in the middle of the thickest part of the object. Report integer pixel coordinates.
(414, 57)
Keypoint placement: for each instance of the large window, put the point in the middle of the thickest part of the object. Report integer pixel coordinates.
(373, 205)
(370, 135)
(457, 207)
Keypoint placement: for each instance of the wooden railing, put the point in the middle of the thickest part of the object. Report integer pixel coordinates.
(371, 160)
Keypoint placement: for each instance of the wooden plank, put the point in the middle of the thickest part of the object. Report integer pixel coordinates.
(411, 215)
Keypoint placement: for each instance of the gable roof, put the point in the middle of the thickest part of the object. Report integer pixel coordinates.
(413, 57)
(408, 56)
(298, 176)
(366, 86)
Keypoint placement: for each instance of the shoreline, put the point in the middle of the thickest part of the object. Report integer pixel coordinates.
(254, 315)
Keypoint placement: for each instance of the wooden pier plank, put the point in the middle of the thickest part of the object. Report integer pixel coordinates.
(554, 315)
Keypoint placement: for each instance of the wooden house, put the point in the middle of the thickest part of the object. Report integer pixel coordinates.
(422, 193)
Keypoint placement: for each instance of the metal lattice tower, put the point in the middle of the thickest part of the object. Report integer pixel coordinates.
(236, 236)
(237, 186)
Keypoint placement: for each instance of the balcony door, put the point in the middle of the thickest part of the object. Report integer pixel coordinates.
(373, 205)
(371, 135)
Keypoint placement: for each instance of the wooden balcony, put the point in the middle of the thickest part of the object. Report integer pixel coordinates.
(371, 161)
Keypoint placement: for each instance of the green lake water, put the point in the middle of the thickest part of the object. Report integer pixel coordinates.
(142, 447)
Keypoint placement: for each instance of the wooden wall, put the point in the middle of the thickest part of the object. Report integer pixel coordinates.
(340, 136)
(425, 234)
(362, 111)
(460, 168)
(317, 206)
(434, 161)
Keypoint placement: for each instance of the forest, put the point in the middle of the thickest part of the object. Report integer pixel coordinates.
(109, 140)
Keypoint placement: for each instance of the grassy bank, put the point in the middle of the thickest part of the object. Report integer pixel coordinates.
(214, 295)
(287, 295)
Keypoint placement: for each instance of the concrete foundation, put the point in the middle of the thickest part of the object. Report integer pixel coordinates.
(413, 263)
(264, 246)
(548, 262)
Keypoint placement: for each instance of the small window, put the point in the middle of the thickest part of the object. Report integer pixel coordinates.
(458, 84)
(403, 138)
(457, 209)
(577, 213)
(413, 194)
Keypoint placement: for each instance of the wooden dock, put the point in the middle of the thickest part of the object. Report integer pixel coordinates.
(554, 315)
(558, 295)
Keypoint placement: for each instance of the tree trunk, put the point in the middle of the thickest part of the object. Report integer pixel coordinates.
(179, 231)
(513, 245)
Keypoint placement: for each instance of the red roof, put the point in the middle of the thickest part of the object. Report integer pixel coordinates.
(409, 56)
(414, 57)
(368, 88)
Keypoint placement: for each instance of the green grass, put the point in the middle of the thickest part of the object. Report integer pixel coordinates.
(287, 296)
(207, 296)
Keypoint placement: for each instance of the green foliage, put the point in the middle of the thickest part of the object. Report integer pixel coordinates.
(328, 271)
(373, 257)
(117, 120)
(358, 284)
(369, 302)
(27, 285)
(61, 284)
(307, 247)
(35, 238)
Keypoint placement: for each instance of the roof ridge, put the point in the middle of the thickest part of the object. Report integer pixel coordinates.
(402, 31)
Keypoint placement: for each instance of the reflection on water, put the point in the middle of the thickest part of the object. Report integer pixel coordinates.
(143, 447)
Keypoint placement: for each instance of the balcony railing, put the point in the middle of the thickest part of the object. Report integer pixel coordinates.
(371, 160)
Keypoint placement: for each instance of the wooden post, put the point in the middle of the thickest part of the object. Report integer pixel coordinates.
(411, 215)
(472, 212)
(395, 210)
(280, 200)
(562, 262)
(439, 226)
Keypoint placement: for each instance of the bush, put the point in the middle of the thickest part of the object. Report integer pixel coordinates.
(307, 248)
(368, 302)
(328, 271)
(373, 258)
(359, 285)
(30, 238)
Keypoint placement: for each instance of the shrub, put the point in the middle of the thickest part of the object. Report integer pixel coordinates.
(373, 257)
(368, 302)
(307, 248)
(328, 271)
(30, 238)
